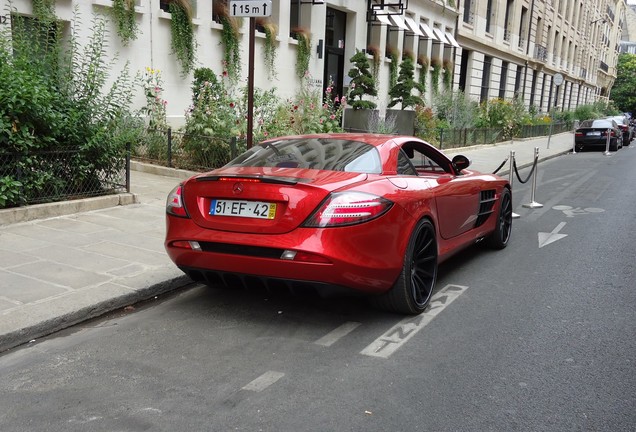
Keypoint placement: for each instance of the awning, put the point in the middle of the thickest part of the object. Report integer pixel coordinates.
(399, 22)
(427, 31)
(451, 39)
(414, 28)
(440, 35)
(384, 19)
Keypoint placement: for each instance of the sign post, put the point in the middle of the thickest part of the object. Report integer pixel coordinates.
(251, 9)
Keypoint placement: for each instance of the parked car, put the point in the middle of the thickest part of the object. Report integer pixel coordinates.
(626, 127)
(594, 133)
(363, 213)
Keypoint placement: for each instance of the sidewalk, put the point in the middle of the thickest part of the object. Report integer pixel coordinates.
(76, 261)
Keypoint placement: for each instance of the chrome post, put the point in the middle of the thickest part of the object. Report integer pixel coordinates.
(607, 143)
(533, 203)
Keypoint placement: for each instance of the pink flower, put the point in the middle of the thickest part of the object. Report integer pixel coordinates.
(224, 73)
(165, 103)
(336, 99)
(328, 90)
(332, 116)
(353, 85)
(321, 121)
(231, 104)
(325, 106)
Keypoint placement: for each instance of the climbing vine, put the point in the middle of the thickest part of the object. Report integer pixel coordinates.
(124, 16)
(182, 29)
(303, 53)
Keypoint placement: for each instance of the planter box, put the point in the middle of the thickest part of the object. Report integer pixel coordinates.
(359, 120)
(404, 121)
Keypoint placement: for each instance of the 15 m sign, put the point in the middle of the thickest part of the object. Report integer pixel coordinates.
(251, 8)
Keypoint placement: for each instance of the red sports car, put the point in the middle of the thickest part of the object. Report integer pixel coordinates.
(372, 214)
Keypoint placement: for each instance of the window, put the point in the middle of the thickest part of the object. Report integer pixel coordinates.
(503, 80)
(518, 80)
(485, 79)
(489, 15)
(469, 11)
(189, 5)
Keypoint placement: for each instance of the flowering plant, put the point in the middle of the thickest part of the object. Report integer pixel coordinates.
(155, 108)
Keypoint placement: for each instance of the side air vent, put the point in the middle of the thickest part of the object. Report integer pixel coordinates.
(486, 203)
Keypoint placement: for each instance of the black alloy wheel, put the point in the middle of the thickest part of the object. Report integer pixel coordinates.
(501, 235)
(415, 284)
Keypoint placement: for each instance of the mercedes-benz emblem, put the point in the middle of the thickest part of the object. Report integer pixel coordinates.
(237, 188)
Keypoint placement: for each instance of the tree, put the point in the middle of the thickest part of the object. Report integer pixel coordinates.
(362, 82)
(401, 91)
(624, 90)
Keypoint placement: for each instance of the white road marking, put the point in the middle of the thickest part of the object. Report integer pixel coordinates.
(547, 238)
(264, 381)
(338, 333)
(400, 333)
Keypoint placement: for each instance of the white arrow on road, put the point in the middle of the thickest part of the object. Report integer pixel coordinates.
(551, 237)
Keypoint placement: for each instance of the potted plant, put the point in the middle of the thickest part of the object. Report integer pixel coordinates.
(362, 84)
(402, 93)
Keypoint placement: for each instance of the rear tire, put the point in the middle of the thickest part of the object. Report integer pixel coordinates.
(501, 235)
(414, 287)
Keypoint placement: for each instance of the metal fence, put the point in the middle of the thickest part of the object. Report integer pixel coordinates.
(205, 152)
(59, 174)
(187, 151)
(456, 138)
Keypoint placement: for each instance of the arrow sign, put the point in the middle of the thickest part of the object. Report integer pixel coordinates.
(547, 238)
(251, 8)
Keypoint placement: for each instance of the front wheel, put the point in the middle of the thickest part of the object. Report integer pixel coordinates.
(414, 287)
(500, 236)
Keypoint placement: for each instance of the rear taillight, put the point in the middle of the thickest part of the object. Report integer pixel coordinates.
(174, 203)
(348, 208)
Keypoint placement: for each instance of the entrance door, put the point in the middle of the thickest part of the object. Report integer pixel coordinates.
(335, 30)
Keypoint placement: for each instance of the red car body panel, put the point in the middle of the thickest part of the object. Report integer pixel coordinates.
(366, 257)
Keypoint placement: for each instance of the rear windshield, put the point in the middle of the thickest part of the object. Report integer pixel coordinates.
(314, 153)
(597, 124)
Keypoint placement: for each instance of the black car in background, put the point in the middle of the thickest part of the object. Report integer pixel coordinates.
(594, 134)
(625, 126)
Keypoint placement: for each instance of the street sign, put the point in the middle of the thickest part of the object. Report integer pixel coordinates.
(251, 8)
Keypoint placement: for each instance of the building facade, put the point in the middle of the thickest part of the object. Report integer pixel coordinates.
(486, 48)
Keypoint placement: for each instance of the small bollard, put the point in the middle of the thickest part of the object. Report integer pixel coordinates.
(533, 203)
(511, 177)
(607, 143)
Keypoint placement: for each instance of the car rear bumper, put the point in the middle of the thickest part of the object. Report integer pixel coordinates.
(366, 258)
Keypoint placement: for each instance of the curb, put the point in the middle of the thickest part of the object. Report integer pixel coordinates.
(63, 208)
(52, 325)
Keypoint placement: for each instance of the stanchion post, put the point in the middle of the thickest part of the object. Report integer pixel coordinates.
(533, 203)
(607, 142)
(511, 174)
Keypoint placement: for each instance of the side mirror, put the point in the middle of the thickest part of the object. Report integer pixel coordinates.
(461, 162)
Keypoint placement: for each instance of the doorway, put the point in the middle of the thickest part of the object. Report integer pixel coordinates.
(335, 31)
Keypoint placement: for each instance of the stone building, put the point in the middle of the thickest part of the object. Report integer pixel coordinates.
(486, 48)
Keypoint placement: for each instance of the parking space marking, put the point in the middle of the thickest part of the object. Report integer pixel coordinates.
(400, 333)
(264, 381)
(338, 333)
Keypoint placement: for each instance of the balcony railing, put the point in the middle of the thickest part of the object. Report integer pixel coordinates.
(541, 53)
(603, 66)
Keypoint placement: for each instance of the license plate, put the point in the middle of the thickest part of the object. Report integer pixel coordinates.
(593, 134)
(238, 208)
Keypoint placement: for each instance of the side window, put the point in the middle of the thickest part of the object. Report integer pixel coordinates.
(425, 163)
(405, 167)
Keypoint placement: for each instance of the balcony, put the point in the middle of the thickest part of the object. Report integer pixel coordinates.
(541, 53)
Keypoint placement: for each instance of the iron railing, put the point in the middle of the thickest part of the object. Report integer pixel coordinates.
(187, 151)
(34, 177)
